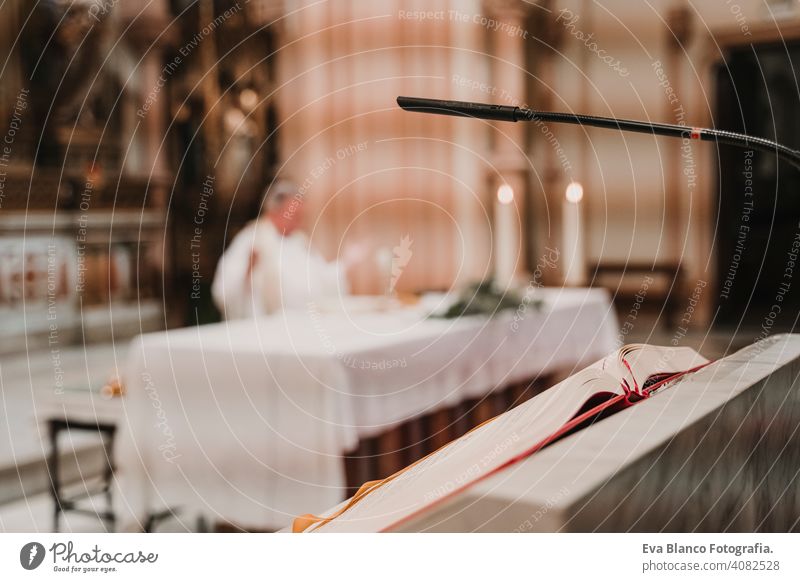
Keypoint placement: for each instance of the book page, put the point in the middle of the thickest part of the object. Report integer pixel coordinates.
(644, 361)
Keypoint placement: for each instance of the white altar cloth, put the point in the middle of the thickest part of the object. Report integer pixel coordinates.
(247, 421)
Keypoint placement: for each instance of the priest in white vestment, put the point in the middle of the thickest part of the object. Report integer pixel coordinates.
(269, 265)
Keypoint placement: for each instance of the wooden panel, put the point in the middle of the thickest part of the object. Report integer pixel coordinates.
(340, 74)
(381, 456)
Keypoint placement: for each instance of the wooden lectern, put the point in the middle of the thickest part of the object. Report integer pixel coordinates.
(719, 451)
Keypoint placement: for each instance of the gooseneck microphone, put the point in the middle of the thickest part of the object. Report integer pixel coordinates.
(511, 113)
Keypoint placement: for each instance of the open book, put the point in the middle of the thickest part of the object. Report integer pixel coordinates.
(630, 374)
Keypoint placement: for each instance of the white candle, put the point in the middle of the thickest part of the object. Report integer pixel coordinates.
(505, 237)
(574, 262)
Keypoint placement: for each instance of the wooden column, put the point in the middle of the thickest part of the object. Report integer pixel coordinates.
(145, 33)
(554, 176)
(678, 32)
(509, 77)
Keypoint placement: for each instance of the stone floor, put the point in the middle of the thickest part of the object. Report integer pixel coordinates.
(36, 515)
(27, 383)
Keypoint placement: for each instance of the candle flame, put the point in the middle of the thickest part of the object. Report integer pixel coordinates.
(574, 192)
(505, 194)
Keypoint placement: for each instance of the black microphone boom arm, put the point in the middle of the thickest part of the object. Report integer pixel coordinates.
(511, 113)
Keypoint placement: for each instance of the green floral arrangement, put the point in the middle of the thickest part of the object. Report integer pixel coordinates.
(487, 298)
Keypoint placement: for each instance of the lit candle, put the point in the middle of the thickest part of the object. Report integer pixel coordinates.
(572, 230)
(505, 237)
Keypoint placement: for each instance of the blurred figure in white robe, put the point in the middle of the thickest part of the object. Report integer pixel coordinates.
(269, 266)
